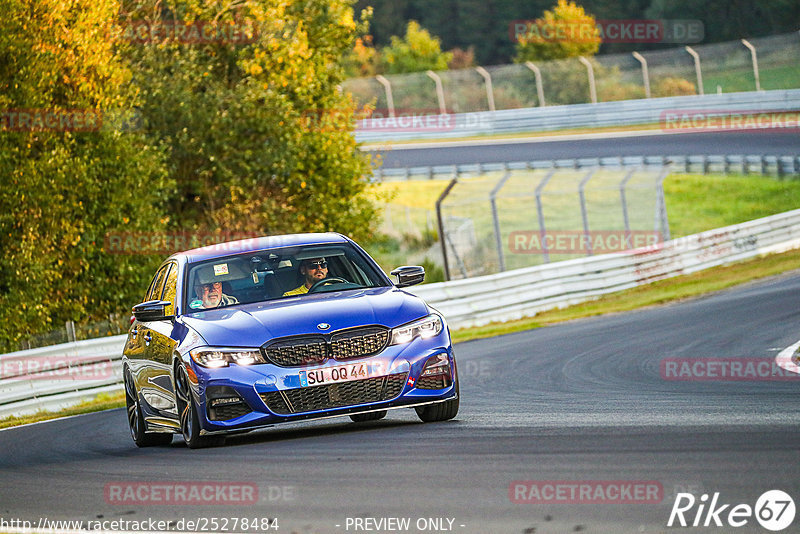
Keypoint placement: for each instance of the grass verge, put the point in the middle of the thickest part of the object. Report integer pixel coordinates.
(103, 401)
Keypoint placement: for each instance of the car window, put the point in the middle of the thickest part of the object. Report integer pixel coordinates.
(270, 274)
(171, 290)
(157, 287)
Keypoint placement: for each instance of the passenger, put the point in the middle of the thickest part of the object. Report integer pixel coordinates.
(313, 270)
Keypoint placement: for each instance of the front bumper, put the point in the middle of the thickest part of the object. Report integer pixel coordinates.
(269, 394)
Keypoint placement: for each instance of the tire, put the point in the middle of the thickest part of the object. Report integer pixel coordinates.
(136, 423)
(441, 411)
(364, 417)
(190, 422)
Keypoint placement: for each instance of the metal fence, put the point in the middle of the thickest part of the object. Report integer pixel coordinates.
(494, 217)
(518, 217)
(766, 63)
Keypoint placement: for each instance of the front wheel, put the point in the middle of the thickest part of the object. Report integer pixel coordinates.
(136, 423)
(190, 422)
(438, 412)
(441, 411)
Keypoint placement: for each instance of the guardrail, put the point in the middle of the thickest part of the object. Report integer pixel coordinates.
(764, 164)
(525, 292)
(620, 113)
(54, 377)
(58, 376)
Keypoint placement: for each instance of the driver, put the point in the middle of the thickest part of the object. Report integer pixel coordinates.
(313, 270)
(212, 296)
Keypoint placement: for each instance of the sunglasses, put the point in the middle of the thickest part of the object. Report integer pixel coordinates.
(212, 285)
(317, 264)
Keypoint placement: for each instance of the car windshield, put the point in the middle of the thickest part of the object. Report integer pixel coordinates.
(289, 272)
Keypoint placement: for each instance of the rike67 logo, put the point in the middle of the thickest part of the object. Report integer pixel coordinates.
(774, 510)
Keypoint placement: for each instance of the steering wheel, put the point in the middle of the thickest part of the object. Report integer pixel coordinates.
(326, 281)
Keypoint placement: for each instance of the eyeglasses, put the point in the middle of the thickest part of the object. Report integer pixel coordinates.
(321, 264)
(209, 287)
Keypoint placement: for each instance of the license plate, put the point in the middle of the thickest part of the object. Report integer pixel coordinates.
(341, 373)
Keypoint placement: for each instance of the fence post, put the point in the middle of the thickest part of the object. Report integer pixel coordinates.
(539, 87)
(70, 327)
(590, 73)
(387, 87)
(439, 91)
(442, 239)
(662, 204)
(697, 70)
(487, 78)
(584, 214)
(645, 75)
(540, 215)
(624, 201)
(754, 57)
(497, 238)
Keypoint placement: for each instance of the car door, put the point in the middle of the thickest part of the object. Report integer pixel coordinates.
(160, 342)
(143, 354)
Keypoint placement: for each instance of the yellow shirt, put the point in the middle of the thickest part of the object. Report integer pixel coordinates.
(302, 290)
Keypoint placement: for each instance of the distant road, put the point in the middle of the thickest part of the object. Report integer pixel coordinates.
(770, 142)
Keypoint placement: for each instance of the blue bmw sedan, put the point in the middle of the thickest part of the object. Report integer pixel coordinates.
(253, 333)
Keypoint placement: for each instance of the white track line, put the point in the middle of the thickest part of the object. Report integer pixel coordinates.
(787, 360)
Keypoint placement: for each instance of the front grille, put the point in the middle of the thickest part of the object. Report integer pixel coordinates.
(348, 344)
(334, 395)
(297, 351)
(359, 342)
(433, 382)
(228, 411)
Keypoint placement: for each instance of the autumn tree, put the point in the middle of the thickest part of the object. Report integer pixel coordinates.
(70, 171)
(260, 139)
(416, 51)
(566, 31)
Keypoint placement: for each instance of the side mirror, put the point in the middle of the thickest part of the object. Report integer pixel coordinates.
(409, 275)
(152, 310)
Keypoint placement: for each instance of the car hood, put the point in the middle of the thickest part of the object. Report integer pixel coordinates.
(254, 324)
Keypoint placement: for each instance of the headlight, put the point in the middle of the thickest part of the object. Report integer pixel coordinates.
(426, 327)
(221, 357)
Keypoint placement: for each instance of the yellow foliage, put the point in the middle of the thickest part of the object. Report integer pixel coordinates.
(566, 31)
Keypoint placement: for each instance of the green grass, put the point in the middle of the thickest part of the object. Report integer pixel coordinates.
(103, 401)
(696, 203)
(739, 80)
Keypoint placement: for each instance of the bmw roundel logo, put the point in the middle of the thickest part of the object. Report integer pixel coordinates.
(323, 326)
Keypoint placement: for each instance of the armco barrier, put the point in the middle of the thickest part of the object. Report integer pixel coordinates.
(620, 113)
(465, 303)
(54, 377)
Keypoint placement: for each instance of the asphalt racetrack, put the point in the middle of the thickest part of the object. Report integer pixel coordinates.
(586, 402)
(771, 142)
